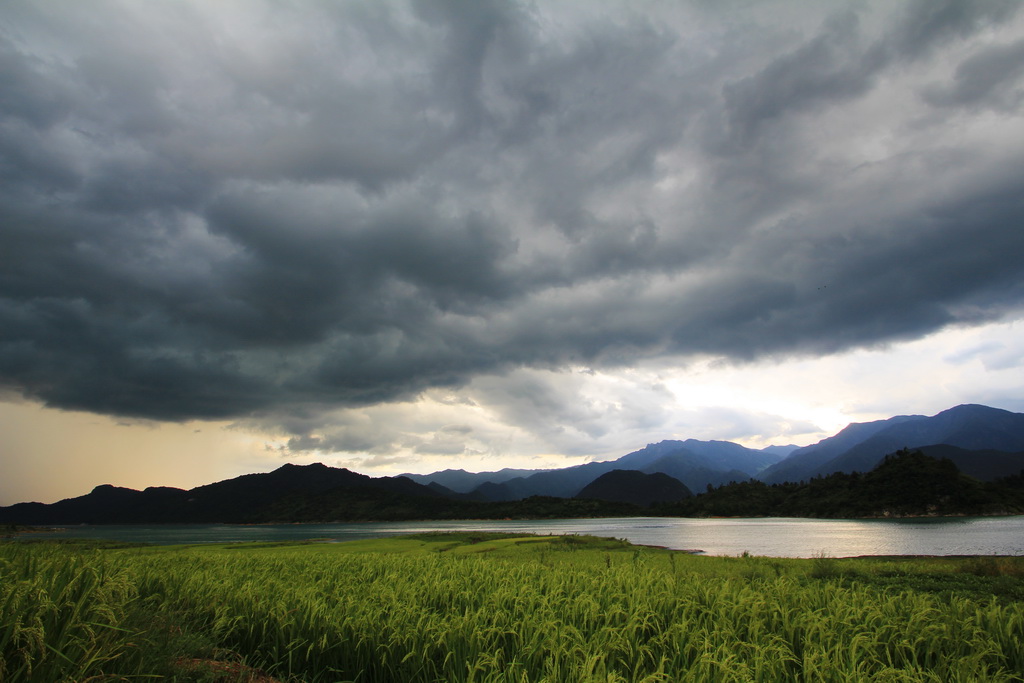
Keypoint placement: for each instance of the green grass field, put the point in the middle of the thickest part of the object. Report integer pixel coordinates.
(489, 607)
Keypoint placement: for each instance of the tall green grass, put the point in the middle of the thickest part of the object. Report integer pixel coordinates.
(62, 615)
(496, 610)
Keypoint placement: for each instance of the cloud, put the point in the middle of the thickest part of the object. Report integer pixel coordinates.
(279, 212)
(741, 425)
(926, 26)
(989, 78)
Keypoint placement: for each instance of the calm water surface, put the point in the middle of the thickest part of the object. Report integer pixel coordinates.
(775, 537)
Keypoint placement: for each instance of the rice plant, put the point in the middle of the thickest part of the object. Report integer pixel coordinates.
(62, 615)
(497, 610)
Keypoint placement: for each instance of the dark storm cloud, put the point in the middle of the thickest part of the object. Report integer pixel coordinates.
(220, 211)
(840, 63)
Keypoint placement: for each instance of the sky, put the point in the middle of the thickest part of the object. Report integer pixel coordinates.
(410, 236)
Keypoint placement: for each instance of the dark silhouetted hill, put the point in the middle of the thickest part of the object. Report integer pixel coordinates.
(294, 493)
(907, 483)
(638, 488)
(248, 498)
(983, 465)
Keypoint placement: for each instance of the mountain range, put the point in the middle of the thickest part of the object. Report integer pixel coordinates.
(696, 464)
(245, 499)
(982, 442)
(992, 438)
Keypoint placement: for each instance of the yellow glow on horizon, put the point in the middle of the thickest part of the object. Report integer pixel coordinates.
(52, 454)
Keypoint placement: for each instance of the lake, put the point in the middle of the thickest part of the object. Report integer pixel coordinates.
(772, 536)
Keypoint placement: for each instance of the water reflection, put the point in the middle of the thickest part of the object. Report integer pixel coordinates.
(776, 537)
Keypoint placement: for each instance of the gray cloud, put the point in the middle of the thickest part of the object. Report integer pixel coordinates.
(989, 78)
(215, 213)
(926, 25)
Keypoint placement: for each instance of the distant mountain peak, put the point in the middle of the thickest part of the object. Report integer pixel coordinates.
(780, 450)
(861, 445)
(974, 407)
(311, 467)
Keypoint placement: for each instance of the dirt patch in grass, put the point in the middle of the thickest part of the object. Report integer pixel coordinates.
(217, 671)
